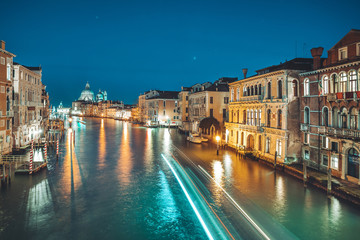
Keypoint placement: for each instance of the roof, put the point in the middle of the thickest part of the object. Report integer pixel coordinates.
(218, 87)
(30, 68)
(294, 64)
(348, 38)
(166, 95)
(208, 122)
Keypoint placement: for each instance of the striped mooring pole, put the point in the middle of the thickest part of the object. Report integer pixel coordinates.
(57, 147)
(45, 151)
(31, 157)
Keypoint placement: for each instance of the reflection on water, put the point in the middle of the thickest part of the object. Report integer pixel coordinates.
(124, 164)
(102, 144)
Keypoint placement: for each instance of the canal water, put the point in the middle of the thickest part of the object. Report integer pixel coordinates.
(114, 184)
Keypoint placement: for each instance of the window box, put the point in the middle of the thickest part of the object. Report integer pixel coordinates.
(349, 95)
(339, 95)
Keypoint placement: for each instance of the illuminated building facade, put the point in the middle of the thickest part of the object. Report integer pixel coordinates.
(330, 110)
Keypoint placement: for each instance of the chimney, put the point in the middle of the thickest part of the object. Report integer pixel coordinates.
(244, 72)
(3, 44)
(316, 54)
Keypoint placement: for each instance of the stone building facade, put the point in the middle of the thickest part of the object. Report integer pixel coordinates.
(6, 99)
(330, 109)
(264, 114)
(28, 105)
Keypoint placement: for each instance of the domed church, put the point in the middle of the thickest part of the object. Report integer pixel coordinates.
(87, 95)
(101, 96)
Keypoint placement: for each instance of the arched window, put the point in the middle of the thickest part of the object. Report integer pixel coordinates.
(259, 143)
(268, 118)
(256, 90)
(295, 88)
(248, 117)
(259, 89)
(256, 118)
(343, 118)
(252, 117)
(244, 92)
(354, 118)
(279, 118)
(278, 147)
(7, 103)
(242, 138)
(335, 117)
(238, 94)
(269, 90)
(352, 81)
(280, 89)
(307, 115)
(343, 82)
(8, 72)
(232, 95)
(325, 117)
(259, 117)
(244, 116)
(252, 90)
(306, 87)
(334, 84)
(325, 85)
(267, 145)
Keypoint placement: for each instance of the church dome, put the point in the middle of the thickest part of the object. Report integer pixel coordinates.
(86, 94)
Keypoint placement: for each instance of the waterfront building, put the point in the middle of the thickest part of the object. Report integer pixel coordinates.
(208, 104)
(161, 107)
(6, 98)
(330, 111)
(28, 121)
(264, 113)
(142, 108)
(183, 109)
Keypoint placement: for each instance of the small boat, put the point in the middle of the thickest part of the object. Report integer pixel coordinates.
(204, 139)
(194, 138)
(152, 124)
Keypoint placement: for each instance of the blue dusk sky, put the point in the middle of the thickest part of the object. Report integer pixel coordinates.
(129, 47)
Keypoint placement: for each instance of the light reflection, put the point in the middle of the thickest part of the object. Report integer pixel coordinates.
(280, 202)
(124, 166)
(102, 145)
(167, 141)
(39, 208)
(218, 173)
(228, 166)
(148, 150)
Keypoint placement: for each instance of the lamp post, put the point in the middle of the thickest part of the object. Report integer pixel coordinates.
(70, 121)
(217, 141)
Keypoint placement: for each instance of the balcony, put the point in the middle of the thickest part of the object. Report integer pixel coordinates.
(304, 127)
(341, 96)
(251, 128)
(250, 98)
(342, 132)
(9, 113)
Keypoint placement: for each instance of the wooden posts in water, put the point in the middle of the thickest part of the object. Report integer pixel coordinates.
(45, 152)
(329, 181)
(31, 157)
(305, 172)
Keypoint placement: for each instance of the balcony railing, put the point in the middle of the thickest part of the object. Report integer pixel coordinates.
(304, 127)
(251, 128)
(342, 132)
(9, 113)
(339, 96)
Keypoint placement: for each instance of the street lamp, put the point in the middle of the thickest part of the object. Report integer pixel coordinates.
(217, 141)
(70, 120)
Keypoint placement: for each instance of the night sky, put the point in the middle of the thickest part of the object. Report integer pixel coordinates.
(128, 47)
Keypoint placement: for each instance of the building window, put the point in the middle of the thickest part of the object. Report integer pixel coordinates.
(247, 117)
(279, 118)
(358, 49)
(295, 88)
(280, 89)
(307, 115)
(325, 117)
(232, 95)
(211, 112)
(335, 162)
(267, 145)
(259, 92)
(325, 85)
(8, 72)
(325, 142)
(187, 110)
(252, 118)
(187, 98)
(268, 118)
(2, 60)
(334, 147)
(353, 118)
(343, 82)
(244, 116)
(238, 94)
(306, 138)
(226, 100)
(278, 147)
(352, 81)
(269, 90)
(325, 160)
(164, 103)
(211, 100)
(244, 92)
(260, 143)
(307, 155)
(342, 53)
(256, 90)
(306, 87)
(224, 113)
(7, 124)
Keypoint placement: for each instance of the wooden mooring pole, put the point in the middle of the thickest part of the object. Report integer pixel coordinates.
(305, 172)
(329, 181)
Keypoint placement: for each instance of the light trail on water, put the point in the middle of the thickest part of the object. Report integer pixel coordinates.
(189, 199)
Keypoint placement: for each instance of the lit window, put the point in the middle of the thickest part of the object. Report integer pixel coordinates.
(307, 155)
(238, 94)
(278, 147)
(352, 81)
(8, 77)
(306, 87)
(325, 85)
(267, 146)
(334, 161)
(325, 142)
(232, 95)
(343, 82)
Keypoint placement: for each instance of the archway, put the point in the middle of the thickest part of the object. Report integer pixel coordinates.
(353, 163)
(250, 142)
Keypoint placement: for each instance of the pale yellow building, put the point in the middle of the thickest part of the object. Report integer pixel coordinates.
(264, 115)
